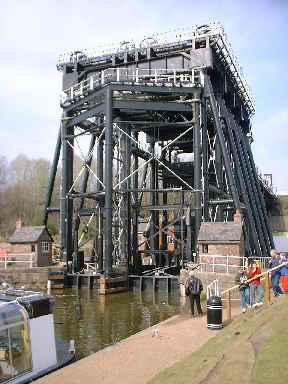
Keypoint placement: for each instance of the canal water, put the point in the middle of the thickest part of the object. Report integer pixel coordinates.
(95, 321)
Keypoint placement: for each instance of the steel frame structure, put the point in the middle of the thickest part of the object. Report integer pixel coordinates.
(142, 107)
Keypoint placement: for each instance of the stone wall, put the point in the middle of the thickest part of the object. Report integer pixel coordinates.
(34, 278)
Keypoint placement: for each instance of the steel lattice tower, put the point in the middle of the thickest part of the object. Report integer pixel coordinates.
(146, 107)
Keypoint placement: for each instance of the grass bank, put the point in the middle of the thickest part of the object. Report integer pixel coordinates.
(252, 349)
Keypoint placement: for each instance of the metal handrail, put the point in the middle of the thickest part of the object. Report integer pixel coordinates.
(226, 265)
(5, 259)
(184, 77)
(212, 287)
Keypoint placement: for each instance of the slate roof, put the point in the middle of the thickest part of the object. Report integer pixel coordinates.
(220, 232)
(27, 234)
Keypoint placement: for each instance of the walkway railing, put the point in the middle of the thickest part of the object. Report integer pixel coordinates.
(212, 289)
(162, 77)
(16, 258)
(263, 276)
(227, 264)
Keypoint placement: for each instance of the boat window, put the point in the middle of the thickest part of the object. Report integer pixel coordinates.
(15, 351)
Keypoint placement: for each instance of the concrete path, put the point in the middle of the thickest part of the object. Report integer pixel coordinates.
(138, 358)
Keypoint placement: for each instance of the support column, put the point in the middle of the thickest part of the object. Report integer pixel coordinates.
(108, 182)
(197, 162)
(124, 203)
(135, 208)
(205, 162)
(78, 205)
(99, 174)
(66, 204)
(164, 245)
(152, 240)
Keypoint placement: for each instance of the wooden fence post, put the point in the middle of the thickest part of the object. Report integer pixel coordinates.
(229, 314)
(267, 297)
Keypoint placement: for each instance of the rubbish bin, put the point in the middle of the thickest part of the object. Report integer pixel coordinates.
(214, 312)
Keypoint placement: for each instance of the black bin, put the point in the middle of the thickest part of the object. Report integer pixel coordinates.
(214, 312)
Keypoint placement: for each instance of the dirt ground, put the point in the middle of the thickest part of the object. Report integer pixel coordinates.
(138, 358)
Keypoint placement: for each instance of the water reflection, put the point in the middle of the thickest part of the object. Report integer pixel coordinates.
(95, 321)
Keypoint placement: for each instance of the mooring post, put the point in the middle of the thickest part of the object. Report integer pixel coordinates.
(108, 181)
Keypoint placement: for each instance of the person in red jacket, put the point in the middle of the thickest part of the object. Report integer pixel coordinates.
(256, 289)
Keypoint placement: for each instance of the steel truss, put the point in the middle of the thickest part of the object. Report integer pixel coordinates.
(143, 118)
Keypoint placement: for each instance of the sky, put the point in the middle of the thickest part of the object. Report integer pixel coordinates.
(33, 33)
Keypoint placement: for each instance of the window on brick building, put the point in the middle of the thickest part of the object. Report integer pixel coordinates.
(45, 246)
(204, 248)
(32, 248)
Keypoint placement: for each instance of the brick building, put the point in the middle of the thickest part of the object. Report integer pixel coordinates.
(221, 246)
(31, 240)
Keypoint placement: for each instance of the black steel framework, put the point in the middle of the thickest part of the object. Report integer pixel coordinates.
(169, 126)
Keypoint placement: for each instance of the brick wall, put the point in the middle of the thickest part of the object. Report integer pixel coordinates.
(224, 249)
(20, 248)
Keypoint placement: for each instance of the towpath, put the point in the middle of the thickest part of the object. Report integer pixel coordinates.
(138, 358)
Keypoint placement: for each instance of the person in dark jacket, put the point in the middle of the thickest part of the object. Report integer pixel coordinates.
(244, 289)
(275, 275)
(194, 287)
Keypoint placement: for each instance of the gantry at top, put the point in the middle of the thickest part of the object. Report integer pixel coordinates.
(153, 47)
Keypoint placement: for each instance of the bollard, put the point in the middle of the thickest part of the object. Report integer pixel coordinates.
(72, 347)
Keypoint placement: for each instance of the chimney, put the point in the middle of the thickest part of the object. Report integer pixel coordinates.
(238, 217)
(19, 223)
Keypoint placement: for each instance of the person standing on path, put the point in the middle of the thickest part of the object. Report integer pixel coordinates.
(275, 275)
(194, 288)
(244, 289)
(256, 289)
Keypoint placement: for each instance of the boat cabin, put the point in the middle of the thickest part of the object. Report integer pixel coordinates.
(27, 340)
